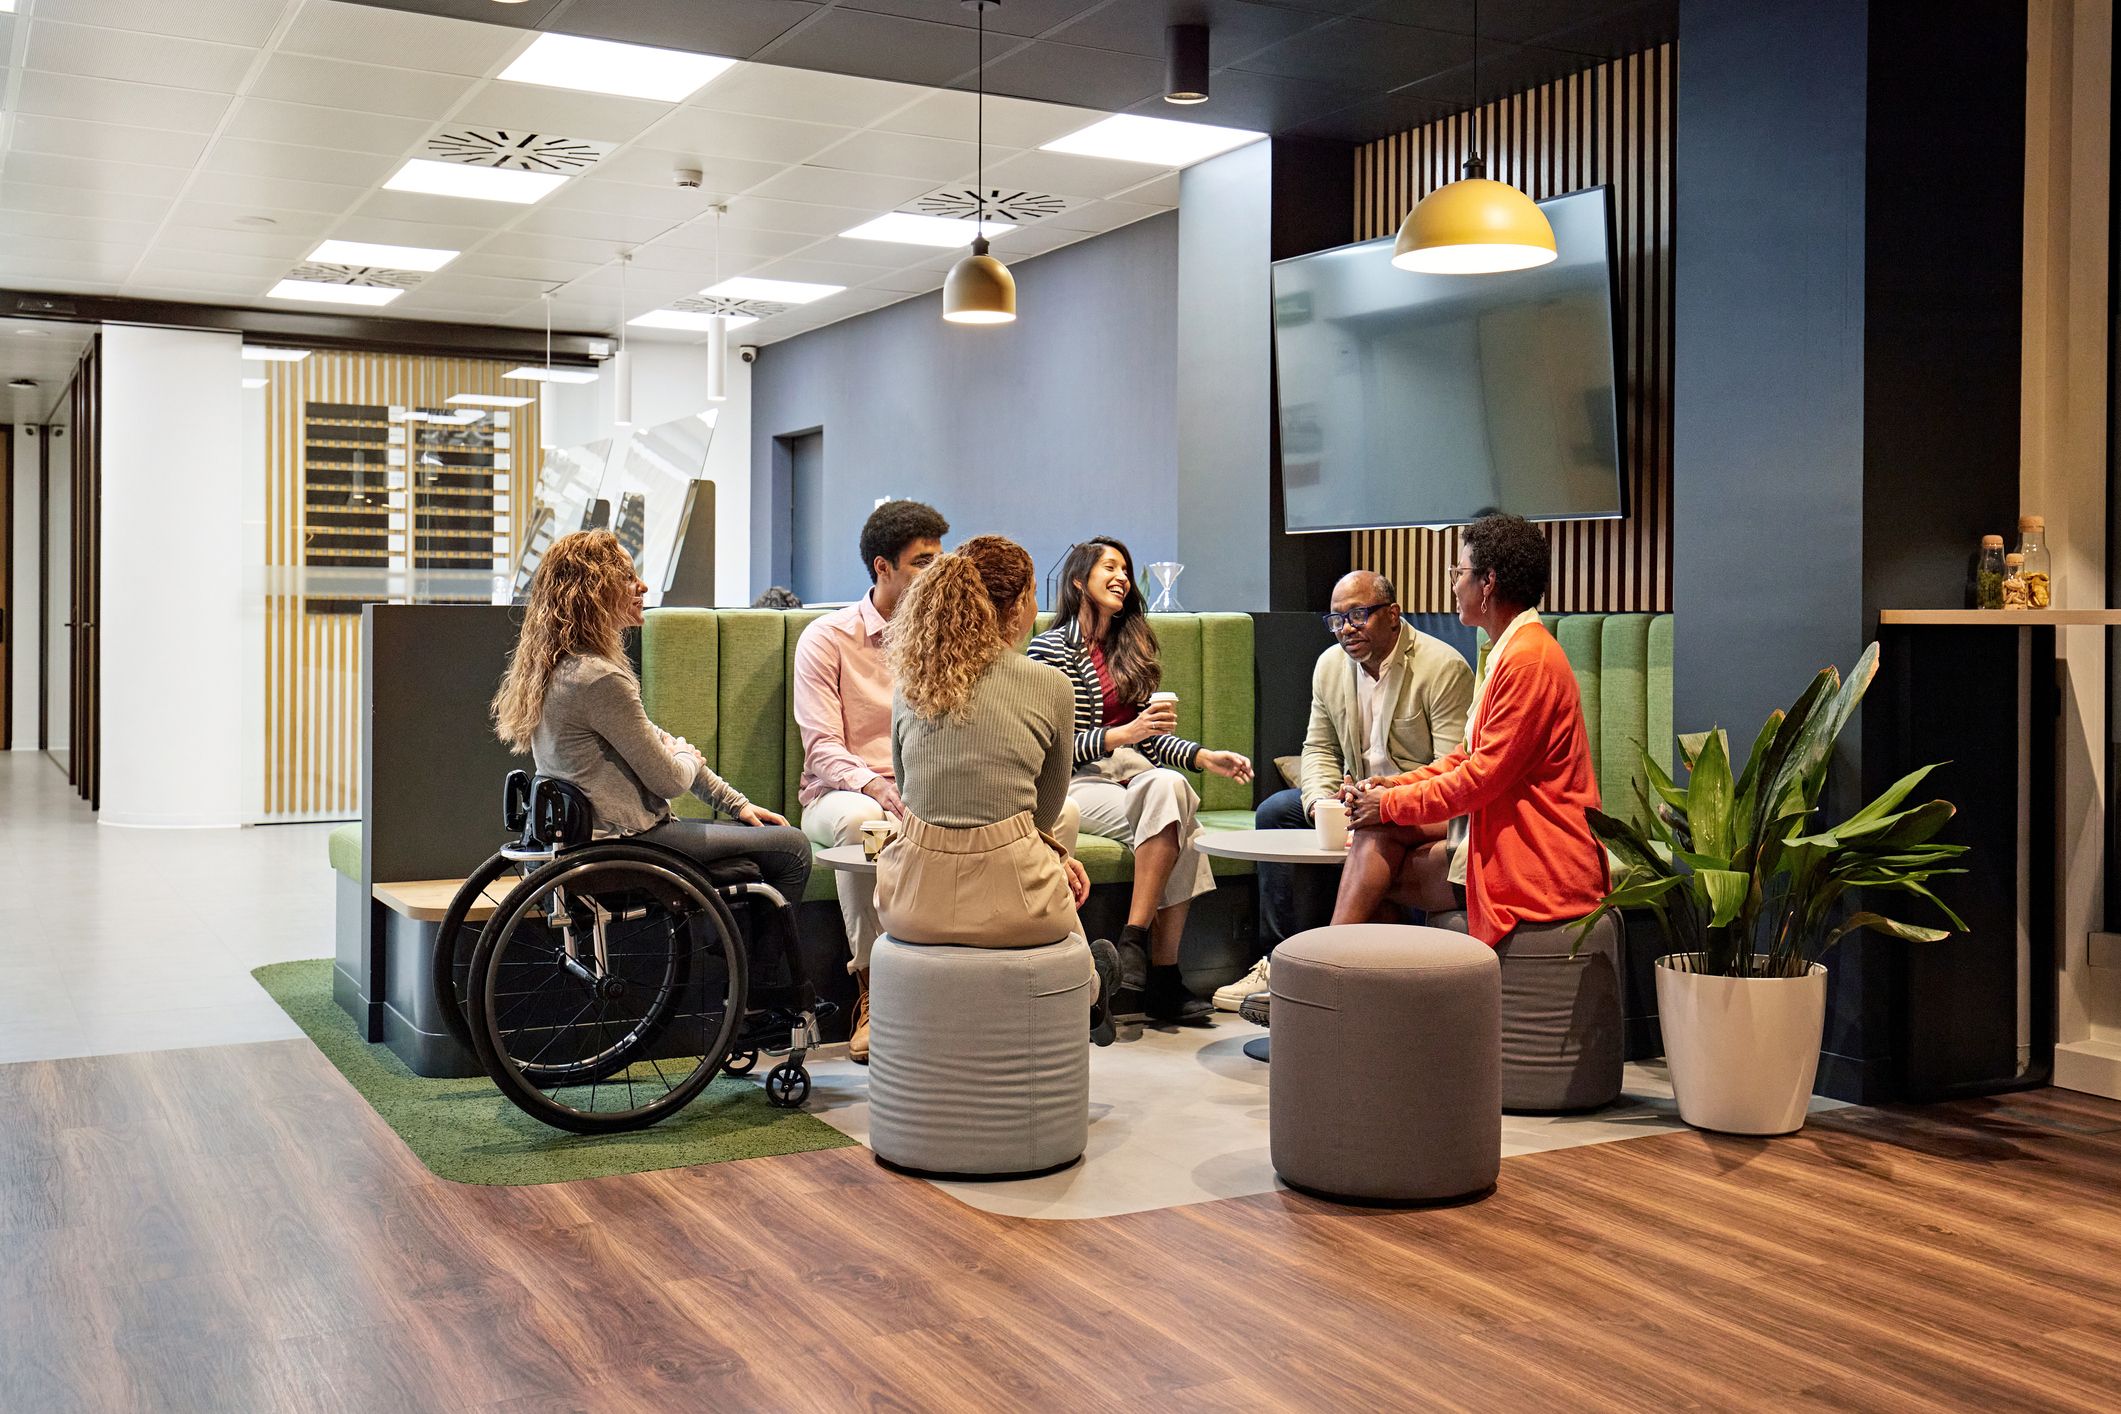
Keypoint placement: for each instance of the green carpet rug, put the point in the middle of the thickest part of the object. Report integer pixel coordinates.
(465, 1131)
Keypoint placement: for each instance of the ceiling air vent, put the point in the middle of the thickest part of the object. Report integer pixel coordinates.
(1022, 207)
(714, 304)
(372, 276)
(515, 150)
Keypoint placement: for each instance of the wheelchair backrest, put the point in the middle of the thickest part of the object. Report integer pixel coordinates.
(548, 812)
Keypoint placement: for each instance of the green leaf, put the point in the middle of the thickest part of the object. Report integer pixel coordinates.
(1621, 837)
(1708, 799)
(1878, 922)
(1751, 775)
(1660, 782)
(1889, 799)
(1726, 889)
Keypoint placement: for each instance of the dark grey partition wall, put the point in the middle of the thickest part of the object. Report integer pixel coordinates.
(431, 768)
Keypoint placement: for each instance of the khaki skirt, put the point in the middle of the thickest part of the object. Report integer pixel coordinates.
(992, 886)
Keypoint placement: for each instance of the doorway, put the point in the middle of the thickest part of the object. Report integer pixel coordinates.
(809, 555)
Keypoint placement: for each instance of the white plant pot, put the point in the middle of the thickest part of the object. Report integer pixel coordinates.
(1743, 1051)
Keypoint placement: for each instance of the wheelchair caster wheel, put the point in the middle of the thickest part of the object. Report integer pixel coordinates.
(740, 1062)
(787, 1086)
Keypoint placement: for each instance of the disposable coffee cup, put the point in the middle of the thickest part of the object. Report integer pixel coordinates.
(1331, 817)
(875, 835)
(1156, 697)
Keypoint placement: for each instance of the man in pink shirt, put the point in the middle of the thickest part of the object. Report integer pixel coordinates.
(842, 694)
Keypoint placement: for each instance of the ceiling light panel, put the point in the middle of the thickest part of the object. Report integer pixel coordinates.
(624, 70)
(489, 400)
(258, 354)
(688, 319)
(906, 228)
(748, 287)
(1160, 142)
(473, 183)
(256, 382)
(388, 257)
(534, 374)
(316, 292)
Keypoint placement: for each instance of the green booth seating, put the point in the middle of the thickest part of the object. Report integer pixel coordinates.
(720, 679)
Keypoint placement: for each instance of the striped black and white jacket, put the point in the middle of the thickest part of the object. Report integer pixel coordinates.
(1062, 647)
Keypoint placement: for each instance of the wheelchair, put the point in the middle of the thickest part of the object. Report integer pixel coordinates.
(614, 981)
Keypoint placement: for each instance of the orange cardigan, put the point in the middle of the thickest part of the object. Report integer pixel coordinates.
(1525, 780)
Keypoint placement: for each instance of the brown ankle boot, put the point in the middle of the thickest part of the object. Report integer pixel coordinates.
(858, 1040)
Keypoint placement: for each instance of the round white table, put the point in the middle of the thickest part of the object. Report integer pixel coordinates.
(1267, 847)
(845, 859)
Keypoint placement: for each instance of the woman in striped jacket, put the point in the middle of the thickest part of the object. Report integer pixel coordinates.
(1127, 783)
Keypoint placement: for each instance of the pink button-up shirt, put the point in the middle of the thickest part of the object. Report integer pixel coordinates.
(842, 693)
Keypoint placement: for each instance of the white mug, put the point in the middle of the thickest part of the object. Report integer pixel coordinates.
(875, 835)
(1331, 817)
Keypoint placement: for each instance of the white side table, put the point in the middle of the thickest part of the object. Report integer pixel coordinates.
(1268, 847)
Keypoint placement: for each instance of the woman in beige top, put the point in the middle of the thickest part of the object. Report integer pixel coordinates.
(982, 745)
(571, 700)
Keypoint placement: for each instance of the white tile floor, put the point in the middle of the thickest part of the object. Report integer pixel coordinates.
(116, 940)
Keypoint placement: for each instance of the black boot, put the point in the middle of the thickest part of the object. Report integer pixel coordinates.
(1133, 950)
(1166, 998)
(1106, 960)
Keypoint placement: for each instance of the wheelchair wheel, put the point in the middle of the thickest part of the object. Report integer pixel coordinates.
(456, 943)
(740, 1063)
(607, 990)
(787, 1086)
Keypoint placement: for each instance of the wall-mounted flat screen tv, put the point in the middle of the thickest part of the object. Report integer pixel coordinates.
(1409, 399)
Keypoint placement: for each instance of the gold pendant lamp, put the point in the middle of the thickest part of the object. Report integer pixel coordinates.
(979, 288)
(1474, 226)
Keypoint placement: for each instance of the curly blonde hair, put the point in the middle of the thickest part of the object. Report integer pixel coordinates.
(578, 604)
(948, 629)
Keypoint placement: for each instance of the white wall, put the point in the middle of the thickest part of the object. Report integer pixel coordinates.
(23, 629)
(669, 382)
(173, 604)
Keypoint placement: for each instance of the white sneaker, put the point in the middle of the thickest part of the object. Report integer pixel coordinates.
(1230, 998)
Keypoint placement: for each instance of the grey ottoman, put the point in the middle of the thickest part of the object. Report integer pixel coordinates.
(979, 1058)
(1562, 1039)
(1385, 1080)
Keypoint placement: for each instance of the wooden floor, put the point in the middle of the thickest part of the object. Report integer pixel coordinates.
(232, 1229)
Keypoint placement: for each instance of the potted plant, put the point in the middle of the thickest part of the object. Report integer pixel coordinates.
(1749, 891)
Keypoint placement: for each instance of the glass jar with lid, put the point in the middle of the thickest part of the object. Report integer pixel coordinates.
(2036, 564)
(2015, 593)
(1988, 573)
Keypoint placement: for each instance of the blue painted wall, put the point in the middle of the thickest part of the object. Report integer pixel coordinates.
(1056, 427)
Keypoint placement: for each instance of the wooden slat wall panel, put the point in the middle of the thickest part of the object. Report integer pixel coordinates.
(312, 740)
(1612, 125)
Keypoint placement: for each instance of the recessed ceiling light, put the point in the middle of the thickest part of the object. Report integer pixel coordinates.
(256, 382)
(779, 291)
(534, 374)
(474, 183)
(687, 319)
(30, 332)
(905, 228)
(1125, 137)
(317, 292)
(388, 257)
(488, 400)
(602, 66)
(258, 354)
(454, 419)
(7, 7)
(256, 223)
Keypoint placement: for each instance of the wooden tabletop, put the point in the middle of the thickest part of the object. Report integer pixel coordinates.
(2002, 618)
(427, 900)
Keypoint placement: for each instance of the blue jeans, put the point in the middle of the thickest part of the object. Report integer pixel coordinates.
(1292, 897)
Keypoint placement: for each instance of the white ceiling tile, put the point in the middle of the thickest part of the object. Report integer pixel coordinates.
(175, 263)
(131, 178)
(606, 225)
(932, 159)
(284, 160)
(558, 112)
(753, 137)
(287, 224)
(806, 94)
(62, 226)
(15, 268)
(736, 241)
(265, 194)
(109, 101)
(194, 287)
(1089, 217)
(435, 210)
(1011, 122)
(412, 233)
(1040, 237)
(546, 272)
(822, 272)
(654, 166)
(530, 246)
(45, 250)
(283, 245)
(912, 282)
(1159, 191)
(664, 208)
(762, 214)
(457, 287)
(304, 124)
(137, 58)
(401, 40)
(884, 255)
(227, 21)
(66, 137)
(1065, 174)
(823, 186)
(364, 88)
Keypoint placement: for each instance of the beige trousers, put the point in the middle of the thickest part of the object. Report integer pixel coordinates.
(836, 818)
(1141, 808)
(992, 886)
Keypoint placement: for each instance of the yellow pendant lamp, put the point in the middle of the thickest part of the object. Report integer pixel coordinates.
(1474, 226)
(979, 288)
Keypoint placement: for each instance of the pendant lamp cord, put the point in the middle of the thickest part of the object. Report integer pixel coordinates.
(979, 133)
(625, 259)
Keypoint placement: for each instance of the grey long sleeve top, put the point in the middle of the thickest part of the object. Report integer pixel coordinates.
(1011, 751)
(594, 733)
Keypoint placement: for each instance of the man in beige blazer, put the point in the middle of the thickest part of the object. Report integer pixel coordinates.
(1388, 698)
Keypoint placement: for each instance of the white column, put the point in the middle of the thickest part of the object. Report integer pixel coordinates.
(173, 613)
(25, 630)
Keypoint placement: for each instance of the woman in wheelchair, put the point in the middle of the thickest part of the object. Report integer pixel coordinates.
(983, 743)
(571, 700)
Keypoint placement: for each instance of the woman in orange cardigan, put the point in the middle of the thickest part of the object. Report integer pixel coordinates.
(1523, 780)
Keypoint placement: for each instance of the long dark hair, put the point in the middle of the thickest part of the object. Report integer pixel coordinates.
(1130, 647)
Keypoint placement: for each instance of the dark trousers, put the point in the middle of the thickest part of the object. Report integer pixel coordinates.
(782, 852)
(1292, 897)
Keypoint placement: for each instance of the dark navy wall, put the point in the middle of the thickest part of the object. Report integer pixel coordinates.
(1056, 427)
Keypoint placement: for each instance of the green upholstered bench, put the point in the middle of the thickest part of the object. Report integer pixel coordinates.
(1623, 666)
(719, 678)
